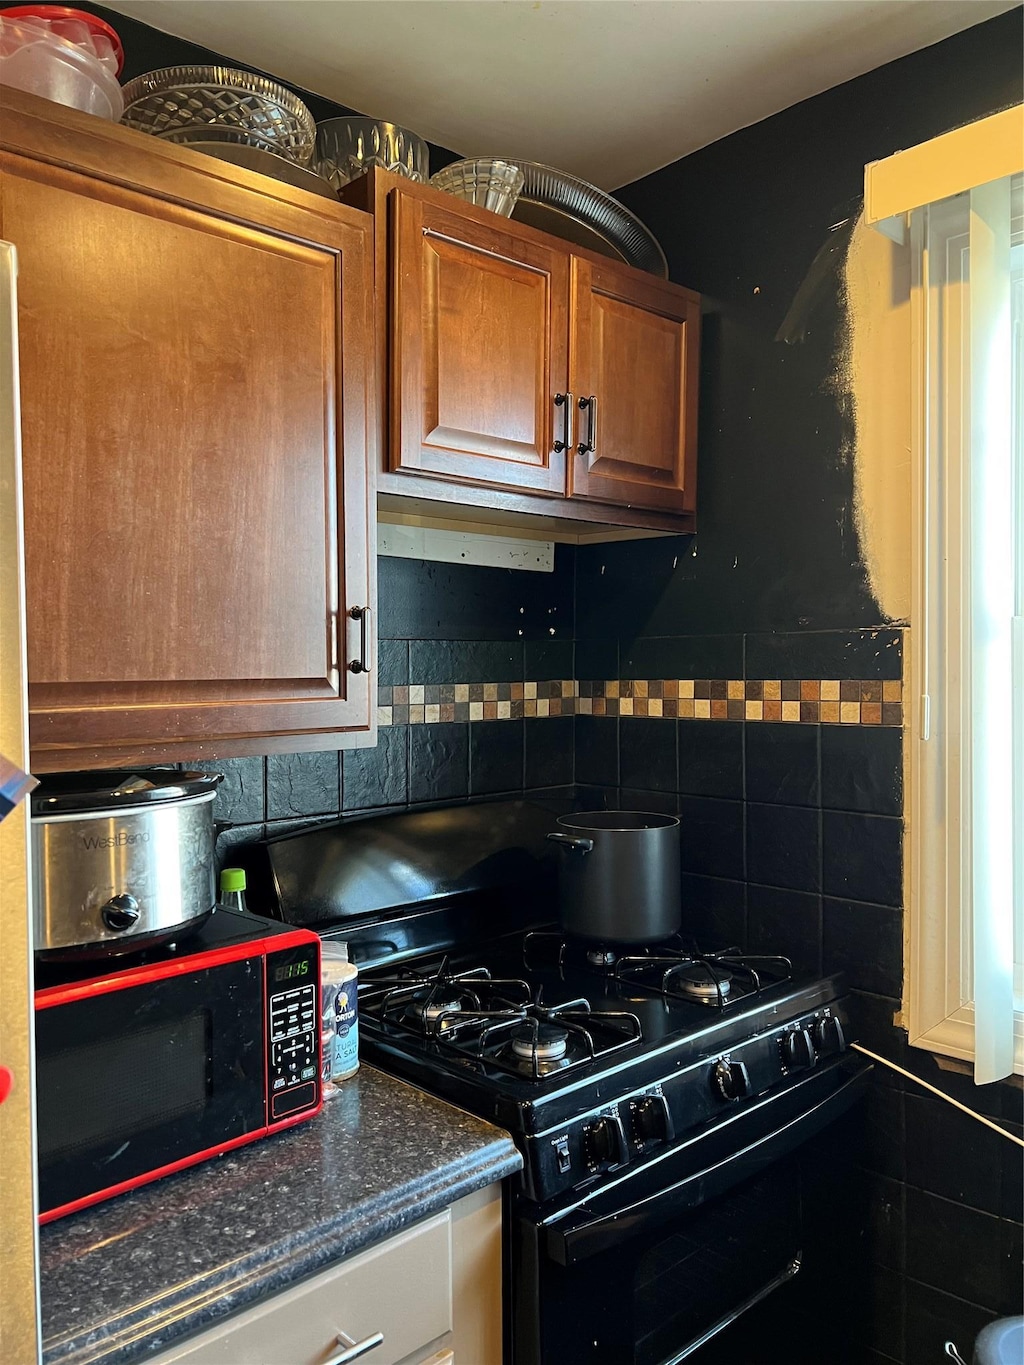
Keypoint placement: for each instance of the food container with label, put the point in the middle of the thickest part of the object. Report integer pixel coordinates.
(339, 1016)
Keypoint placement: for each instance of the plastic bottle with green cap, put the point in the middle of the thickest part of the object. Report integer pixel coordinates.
(232, 889)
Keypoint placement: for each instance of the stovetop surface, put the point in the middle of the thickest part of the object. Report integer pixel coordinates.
(646, 1032)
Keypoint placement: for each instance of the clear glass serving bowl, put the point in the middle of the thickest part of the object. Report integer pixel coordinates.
(347, 147)
(484, 181)
(221, 104)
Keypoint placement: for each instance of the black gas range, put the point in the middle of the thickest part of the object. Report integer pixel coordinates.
(658, 1094)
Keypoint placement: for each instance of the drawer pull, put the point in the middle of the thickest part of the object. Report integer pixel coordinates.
(352, 1350)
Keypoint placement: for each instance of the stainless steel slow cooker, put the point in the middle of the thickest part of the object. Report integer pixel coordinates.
(121, 860)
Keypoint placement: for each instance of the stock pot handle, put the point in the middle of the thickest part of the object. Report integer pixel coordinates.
(570, 841)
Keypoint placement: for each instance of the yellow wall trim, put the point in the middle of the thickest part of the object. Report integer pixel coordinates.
(979, 152)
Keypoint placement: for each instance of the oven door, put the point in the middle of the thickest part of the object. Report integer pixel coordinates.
(133, 1083)
(652, 1267)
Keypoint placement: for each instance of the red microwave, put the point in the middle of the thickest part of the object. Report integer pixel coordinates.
(188, 1052)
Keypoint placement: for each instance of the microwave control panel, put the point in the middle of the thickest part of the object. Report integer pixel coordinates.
(293, 1031)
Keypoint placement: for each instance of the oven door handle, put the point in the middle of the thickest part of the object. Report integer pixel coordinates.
(586, 1232)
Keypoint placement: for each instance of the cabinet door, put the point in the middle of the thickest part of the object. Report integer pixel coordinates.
(479, 346)
(195, 450)
(635, 348)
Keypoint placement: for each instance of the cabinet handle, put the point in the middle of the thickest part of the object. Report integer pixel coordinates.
(565, 400)
(589, 446)
(362, 664)
(354, 1349)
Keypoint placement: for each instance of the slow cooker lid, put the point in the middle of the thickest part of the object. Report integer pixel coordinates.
(60, 793)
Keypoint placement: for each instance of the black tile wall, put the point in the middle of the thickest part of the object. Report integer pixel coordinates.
(714, 912)
(378, 776)
(784, 846)
(787, 923)
(241, 796)
(597, 750)
(825, 654)
(465, 661)
(547, 659)
(439, 762)
(303, 784)
(495, 756)
(393, 663)
(647, 754)
(711, 837)
(862, 857)
(782, 763)
(862, 768)
(710, 758)
(865, 942)
(684, 656)
(549, 751)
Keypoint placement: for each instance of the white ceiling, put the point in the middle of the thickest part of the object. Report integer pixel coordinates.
(607, 89)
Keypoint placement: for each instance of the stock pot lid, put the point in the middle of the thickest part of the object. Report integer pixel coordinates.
(61, 793)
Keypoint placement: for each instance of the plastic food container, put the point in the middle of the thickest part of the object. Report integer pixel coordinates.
(63, 55)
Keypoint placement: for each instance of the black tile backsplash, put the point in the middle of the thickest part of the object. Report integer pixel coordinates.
(782, 763)
(647, 754)
(825, 654)
(393, 663)
(684, 656)
(495, 756)
(862, 768)
(784, 846)
(546, 660)
(597, 750)
(549, 751)
(862, 857)
(439, 762)
(711, 837)
(241, 797)
(714, 912)
(378, 776)
(303, 784)
(865, 942)
(465, 661)
(710, 758)
(786, 924)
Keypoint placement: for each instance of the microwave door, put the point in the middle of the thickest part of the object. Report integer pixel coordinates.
(135, 1083)
(19, 1303)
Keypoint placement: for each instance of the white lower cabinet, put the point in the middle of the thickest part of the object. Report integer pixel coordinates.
(430, 1295)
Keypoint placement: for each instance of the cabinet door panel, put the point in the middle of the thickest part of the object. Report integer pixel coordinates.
(195, 463)
(635, 348)
(479, 350)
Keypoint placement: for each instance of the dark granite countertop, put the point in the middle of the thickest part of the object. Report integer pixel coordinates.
(127, 1279)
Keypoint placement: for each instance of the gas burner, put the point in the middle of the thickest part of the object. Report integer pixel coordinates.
(713, 979)
(537, 1043)
(435, 1011)
(601, 957)
(700, 983)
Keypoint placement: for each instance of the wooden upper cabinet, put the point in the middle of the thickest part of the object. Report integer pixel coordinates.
(634, 358)
(196, 362)
(479, 349)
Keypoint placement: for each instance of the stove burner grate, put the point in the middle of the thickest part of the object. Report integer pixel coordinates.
(713, 979)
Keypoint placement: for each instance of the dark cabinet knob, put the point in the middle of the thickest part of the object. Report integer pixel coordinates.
(120, 913)
(798, 1049)
(829, 1035)
(731, 1079)
(652, 1121)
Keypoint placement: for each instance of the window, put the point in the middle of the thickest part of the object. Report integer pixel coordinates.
(965, 685)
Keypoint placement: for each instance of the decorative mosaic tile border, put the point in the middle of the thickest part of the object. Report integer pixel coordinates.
(808, 701)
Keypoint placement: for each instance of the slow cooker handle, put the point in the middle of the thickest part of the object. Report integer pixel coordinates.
(570, 841)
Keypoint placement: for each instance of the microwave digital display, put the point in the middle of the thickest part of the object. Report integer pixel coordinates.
(292, 970)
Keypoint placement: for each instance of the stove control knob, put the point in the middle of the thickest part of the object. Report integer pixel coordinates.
(798, 1049)
(652, 1121)
(731, 1079)
(604, 1141)
(829, 1035)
